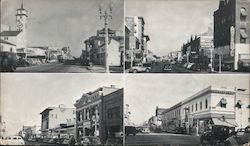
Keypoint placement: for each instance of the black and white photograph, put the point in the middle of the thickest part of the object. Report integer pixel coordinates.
(79, 36)
(187, 36)
(45, 109)
(187, 110)
(125, 72)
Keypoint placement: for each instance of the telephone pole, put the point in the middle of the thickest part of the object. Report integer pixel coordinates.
(106, 15)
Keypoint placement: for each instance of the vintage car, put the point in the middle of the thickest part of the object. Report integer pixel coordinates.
(130, 130)
(145, 67)
(240, 137)
(215, 135)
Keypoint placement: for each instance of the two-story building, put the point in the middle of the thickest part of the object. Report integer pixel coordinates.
(55, 118)
(211, 106)
(88, 112)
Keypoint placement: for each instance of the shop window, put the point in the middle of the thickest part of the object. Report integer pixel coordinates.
(223, 103)
(243, 14)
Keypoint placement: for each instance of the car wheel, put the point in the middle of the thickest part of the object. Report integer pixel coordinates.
(135, 71)
(147, 70)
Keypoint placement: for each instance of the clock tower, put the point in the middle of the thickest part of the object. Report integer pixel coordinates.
(21, 24)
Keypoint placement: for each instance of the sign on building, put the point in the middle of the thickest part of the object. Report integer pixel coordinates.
(232, 48)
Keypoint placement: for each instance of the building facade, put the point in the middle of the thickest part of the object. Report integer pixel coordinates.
(199, 48)
(88, 112)
(211, 106)
(95, 48)
(136, 49)
(231, 33)
(17, 37)
(171, 118)
(54, 118)
(112, 116)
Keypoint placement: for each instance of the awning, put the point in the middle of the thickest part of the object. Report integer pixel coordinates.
(226, 122)
(223, 101)
(243, 33)
(243, 12)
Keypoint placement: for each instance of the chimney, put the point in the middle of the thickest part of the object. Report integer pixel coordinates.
(112, 86)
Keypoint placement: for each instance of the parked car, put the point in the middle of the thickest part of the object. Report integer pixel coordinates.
(90, 140)
(217, 134)
(239, 138)
(180, 130)
(244, 65)
(13, 140)
(145, 67)
(130, 130)
(8, 61)
(167, 68)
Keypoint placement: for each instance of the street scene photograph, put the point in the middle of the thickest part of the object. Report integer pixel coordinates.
(55, 109)
(80, 36)
(187, 36)
(187, 110)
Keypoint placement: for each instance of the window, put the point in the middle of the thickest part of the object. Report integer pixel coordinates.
(223, 103)
(11, 49)
(238, 104)
(196, 107)
(243, 35)
(206, 103)
(243, 14)
(192, 108)
(114, 113)
(201, 105)
(1, 48)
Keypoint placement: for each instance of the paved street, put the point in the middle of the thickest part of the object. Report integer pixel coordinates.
(158, 68)
(36, 143)
(163, 139)
(62, 68)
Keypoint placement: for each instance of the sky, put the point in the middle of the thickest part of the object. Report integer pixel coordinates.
(25, 96)
(170, 23)
(62, 22)
(144, 93)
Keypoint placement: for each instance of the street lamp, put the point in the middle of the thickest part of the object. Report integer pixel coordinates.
(106, 16)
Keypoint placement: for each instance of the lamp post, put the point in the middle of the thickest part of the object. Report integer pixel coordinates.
(106, 15)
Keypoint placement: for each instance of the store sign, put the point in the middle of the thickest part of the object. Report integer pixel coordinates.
(232, 45)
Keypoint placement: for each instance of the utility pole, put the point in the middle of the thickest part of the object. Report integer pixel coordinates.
(106, 16)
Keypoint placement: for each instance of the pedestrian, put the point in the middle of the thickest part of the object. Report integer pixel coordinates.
(71, 140)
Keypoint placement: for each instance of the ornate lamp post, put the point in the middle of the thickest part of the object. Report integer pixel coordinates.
(106, 15)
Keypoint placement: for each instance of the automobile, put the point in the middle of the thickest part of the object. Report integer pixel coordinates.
(238, 138)
(90, 140)
(130, 130)
(167, 68)
(244, 65)
(180, 130)
(215, 135)
(70, 62)
(8, 61)
(145, 67)
(13, 140)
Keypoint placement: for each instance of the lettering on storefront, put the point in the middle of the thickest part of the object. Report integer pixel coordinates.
(232, 48)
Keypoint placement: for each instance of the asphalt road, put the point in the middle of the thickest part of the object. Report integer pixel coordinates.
(33, 143)
(163, 139)
(62, 68)
(158, 68)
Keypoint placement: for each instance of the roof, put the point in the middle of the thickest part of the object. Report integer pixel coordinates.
(9, 33)
(5, 42)
(47, 109)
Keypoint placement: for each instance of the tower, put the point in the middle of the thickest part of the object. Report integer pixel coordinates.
(21, 24)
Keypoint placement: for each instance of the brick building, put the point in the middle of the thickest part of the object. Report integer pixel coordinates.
(231, 33)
